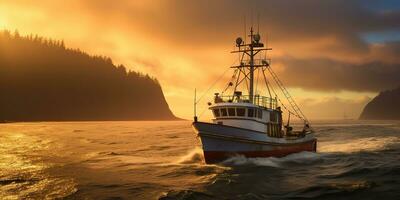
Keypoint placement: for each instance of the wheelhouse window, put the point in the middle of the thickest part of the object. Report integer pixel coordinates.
(216, 112)
(259, 113)
(224, 113)
(231, 111)
(250, 112)
(240, 112)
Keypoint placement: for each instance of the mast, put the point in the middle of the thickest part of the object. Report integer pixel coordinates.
(251, 90)
(248, 64)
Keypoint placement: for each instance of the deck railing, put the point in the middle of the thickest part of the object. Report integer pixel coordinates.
(258, 100)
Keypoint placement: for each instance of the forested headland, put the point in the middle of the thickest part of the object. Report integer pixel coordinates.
(42, 80)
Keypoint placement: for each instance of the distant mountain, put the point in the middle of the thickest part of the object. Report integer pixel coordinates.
(41, 80)
(385, 106)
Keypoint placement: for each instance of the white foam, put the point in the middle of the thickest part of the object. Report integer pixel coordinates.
(302, 157)
(194, 156)
(241, 160)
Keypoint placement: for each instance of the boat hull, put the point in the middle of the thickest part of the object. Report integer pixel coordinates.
(220, 142)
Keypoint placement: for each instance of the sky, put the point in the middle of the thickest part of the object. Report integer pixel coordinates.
(333, 55)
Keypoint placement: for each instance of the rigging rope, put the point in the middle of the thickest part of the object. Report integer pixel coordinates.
(292, 102)
(216, 81)
(280, 101)
(230, 82)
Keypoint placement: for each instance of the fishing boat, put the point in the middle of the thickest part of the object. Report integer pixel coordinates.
(251, 124)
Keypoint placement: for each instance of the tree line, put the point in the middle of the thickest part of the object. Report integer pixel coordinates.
(42, 80)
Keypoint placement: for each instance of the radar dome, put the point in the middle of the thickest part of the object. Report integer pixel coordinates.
(239, 41)
(257, 37)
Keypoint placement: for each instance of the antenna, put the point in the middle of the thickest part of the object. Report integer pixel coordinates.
(258, 23)
(245, 34)
(251, 14)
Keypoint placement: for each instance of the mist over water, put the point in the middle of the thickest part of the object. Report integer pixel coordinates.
(152, 160)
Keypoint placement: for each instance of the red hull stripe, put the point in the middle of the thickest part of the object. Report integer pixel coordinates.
(218, 156)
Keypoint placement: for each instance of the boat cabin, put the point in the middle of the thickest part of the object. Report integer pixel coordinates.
(262, 115)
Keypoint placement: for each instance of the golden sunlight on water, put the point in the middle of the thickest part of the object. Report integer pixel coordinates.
(22, 175)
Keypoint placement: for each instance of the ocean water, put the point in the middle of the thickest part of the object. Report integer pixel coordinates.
(163, 160)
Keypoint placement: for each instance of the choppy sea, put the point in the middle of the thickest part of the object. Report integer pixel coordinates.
(163, 160)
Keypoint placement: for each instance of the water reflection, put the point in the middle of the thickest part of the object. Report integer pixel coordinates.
(23, 174)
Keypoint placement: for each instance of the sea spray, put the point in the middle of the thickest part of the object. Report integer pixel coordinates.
(300, 158)
(241, 160)
(194, 156)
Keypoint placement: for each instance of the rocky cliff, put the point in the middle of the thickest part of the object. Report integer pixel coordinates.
(385, 106)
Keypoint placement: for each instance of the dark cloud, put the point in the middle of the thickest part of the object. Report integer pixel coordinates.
(186, 20)
(388, 52)
(332, 75)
